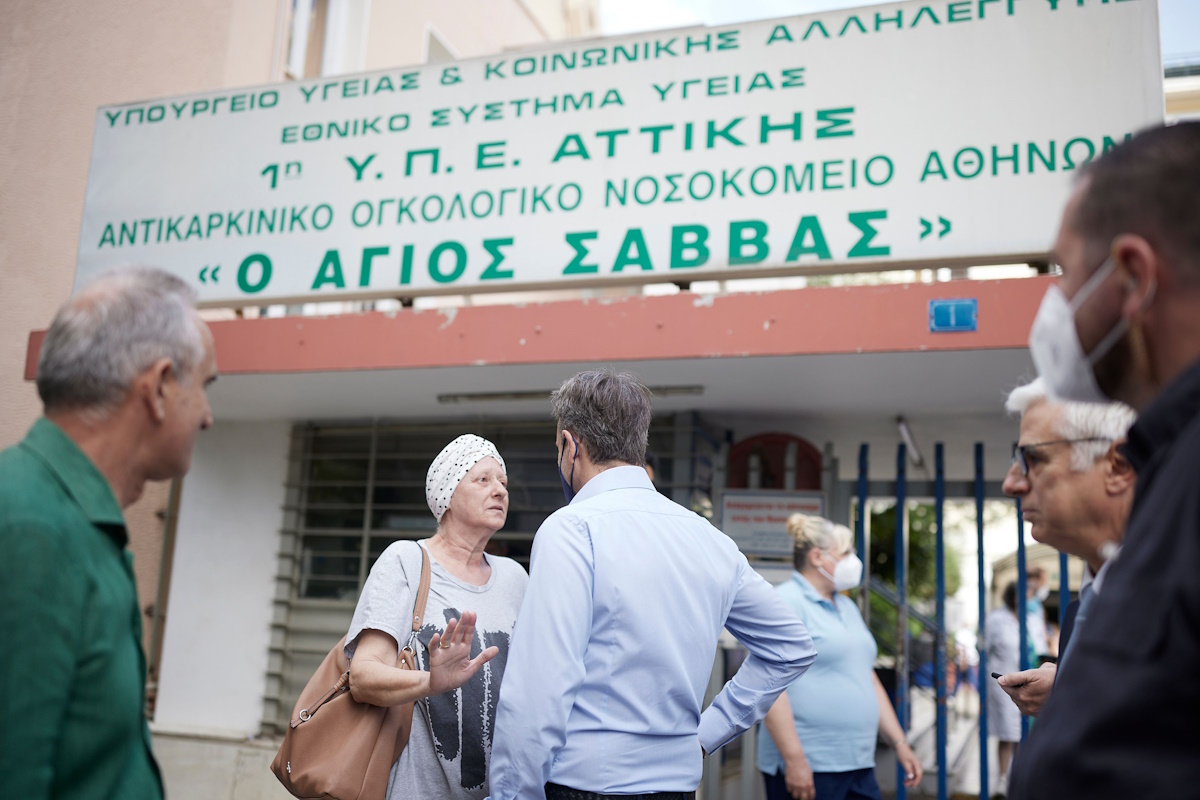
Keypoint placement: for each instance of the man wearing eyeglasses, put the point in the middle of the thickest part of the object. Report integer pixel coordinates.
(1075, 489)
(1123, 323)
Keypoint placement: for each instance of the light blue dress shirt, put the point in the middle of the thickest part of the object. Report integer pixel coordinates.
(615, 642)
(835, 706)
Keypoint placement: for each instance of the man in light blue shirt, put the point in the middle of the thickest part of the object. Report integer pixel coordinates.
(616, 638)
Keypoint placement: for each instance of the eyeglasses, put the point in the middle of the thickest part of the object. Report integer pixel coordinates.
(1020, 451)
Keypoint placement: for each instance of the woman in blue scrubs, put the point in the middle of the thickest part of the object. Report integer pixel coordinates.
(823, 729)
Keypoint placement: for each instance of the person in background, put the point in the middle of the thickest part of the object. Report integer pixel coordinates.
(1076, 489)
(1053, 635)
(967, 644)
(1003, 655)
(1037, 590)
(617, 636)
(1123, 323)
(123, 376)
(823, 729)
(459, 669)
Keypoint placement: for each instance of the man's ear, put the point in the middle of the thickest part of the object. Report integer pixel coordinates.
(153, 386)
(1139, 263)
(1119, 476)
(571, 445)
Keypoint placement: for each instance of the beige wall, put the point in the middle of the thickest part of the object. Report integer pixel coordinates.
(59, 61)
(563, 19)
(397, 30)
(1182, 98)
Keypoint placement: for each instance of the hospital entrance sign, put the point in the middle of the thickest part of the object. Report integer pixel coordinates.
(910, 134)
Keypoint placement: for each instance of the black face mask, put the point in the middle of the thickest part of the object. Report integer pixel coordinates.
(567, 483)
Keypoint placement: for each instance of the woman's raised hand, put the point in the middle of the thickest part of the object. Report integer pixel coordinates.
(450, 662)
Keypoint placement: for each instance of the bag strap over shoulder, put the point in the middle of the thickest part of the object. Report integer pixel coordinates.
(422, 597)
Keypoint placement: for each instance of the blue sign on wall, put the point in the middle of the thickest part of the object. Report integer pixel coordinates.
(953, 316)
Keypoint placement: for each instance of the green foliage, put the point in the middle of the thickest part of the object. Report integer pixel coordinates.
(922, 569)
(922, 552)
(883, 624)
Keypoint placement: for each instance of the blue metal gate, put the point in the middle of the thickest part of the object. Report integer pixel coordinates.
(981, 490)
(849, 502)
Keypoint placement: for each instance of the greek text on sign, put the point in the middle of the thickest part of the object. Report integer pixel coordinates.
(756, 519)
(912, 133)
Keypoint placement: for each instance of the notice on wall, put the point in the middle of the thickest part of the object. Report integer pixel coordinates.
(910, 134)
(756, 519)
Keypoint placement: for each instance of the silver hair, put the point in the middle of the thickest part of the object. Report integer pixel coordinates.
(608, 411)
(1110, 421)
(114, 329)
(810, 532)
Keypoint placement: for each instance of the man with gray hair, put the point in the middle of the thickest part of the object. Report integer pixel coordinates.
(616, 638)
(123, 374)
(1075, 489)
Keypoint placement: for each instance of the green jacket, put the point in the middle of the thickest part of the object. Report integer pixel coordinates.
(72, 669)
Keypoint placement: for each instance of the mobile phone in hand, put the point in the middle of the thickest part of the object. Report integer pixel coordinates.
(997, 676)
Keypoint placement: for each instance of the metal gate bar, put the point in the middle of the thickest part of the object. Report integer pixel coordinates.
(1022, 609)
(940, 658)
(901, 541)
(984, 676)
(860, 531)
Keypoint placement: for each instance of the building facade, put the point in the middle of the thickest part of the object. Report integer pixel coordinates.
(329, 414)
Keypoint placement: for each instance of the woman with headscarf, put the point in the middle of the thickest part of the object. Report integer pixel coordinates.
(474, 597)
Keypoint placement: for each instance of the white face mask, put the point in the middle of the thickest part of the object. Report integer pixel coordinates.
(1055, 347)
(1042, 593)
(846, 575)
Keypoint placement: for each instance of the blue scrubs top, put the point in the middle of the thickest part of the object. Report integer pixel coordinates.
(834, 704)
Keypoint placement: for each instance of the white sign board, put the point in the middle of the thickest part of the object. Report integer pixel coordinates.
(904, 134)
(756, 519)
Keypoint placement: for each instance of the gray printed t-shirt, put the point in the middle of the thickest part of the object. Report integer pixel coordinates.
(451, 744)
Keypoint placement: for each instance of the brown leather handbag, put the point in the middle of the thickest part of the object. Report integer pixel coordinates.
(336, 748)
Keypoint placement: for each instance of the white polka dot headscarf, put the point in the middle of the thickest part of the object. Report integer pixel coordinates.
(452, 465)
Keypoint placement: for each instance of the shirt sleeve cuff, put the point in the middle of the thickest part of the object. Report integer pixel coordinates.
(714, 731)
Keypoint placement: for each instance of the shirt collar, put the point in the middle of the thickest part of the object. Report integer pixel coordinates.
(77, 475)
(629, 477)
(810, 591)
(1164, 419)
